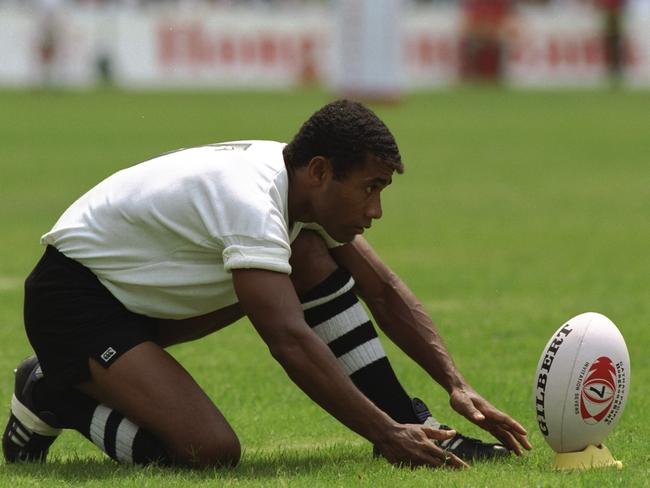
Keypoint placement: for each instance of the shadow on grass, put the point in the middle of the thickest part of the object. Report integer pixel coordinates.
(255, 465)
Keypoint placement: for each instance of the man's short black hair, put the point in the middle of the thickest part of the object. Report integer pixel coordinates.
(344, 132)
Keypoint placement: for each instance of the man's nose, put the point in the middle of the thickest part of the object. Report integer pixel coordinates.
(373, 210)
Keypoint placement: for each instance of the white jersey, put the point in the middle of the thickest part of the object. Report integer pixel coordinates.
(163, 235)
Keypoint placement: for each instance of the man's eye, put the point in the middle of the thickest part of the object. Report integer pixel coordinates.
(369, 189)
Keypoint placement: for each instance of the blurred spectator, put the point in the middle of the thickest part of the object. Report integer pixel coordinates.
(612, 11)
(49, 12)
(483, 38)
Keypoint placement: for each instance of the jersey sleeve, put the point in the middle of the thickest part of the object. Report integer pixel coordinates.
(265, 246)
(243, 252)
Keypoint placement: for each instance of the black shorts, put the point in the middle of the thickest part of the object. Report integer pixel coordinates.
(71, 317)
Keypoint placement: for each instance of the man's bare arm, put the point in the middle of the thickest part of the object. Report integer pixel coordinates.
(398, 312)
(270, 302)
(402, 317)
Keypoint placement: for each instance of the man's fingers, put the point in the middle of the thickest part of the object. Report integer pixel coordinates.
(455, 462)
(523, 440)
(516, 426)
(449, 459)
(427, 452)
(437, 434)
(502, 418)
(510, 433)
(466, 407)
(512, 440)
(508, 430)
(418, 447)
(507, 439)
(516, 429)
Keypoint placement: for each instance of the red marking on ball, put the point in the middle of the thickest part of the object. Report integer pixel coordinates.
(598, 391)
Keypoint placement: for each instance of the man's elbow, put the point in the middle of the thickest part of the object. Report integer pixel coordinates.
(289, 346)
(381, 290)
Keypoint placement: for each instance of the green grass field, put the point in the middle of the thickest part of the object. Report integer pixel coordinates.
(517, 211)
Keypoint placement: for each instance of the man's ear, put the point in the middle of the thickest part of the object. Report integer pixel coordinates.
(319, 170)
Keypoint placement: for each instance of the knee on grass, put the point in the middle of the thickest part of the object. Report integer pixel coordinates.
(217, 452)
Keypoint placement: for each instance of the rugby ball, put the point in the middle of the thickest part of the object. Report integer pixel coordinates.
(581, 383)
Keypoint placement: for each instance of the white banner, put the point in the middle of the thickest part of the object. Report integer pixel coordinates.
(558, 46)
(18, 47)
(637, 48)
(430, 44)
(78, 48)
(164, 46)
(220, 48)
(70, 35)
(366, 56)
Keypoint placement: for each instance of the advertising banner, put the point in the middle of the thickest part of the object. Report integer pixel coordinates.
(637, 51)
(366, 55)
(556, 46)
(261, 48)
(53, 48)
(363, 47)
(19, 63)
(431, 44)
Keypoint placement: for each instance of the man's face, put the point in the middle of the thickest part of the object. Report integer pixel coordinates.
(346, 207)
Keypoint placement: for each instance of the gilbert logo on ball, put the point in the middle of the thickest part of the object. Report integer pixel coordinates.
(581, 383)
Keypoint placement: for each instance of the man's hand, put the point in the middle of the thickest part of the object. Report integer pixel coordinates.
(413, 445)
(475, 408)
(270, 301)
(404, 320)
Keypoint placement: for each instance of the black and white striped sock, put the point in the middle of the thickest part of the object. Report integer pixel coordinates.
(108, 429)
(122, 440)
(334, 312)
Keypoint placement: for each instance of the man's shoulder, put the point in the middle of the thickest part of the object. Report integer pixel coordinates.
(223, 163)
(240, 149)
(253, 148)
(246, 144)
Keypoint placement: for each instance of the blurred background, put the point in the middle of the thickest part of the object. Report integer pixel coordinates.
(365, 48)
(524, 130)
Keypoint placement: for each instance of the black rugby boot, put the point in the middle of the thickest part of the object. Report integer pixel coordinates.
(29, 433)
(466, 448)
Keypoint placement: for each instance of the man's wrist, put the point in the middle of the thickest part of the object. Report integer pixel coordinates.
(383, 432)
(456, 382)
(377, 426)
